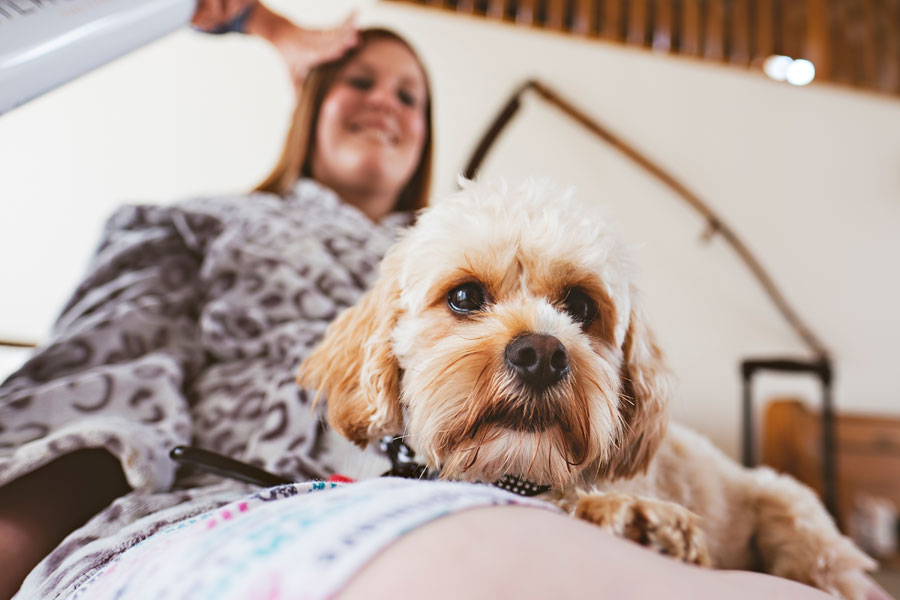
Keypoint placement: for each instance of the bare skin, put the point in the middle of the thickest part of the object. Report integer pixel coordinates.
(41, 508)
(524, 553)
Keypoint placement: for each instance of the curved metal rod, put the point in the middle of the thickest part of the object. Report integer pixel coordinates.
(715, 224)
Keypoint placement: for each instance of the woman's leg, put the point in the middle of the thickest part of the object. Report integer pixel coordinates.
(41, 508)
(516, 552)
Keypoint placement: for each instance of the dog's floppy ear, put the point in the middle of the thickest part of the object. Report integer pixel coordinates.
(355, 366)
(644, 399)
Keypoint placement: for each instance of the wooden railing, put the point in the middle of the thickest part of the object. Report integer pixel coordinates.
(851, 42)
(16, 344)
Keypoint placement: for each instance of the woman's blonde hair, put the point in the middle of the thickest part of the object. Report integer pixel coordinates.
(296, 158)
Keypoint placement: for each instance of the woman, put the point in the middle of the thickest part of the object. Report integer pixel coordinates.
(194, 317)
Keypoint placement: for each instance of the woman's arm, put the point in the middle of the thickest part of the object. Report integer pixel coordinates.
(301, 48)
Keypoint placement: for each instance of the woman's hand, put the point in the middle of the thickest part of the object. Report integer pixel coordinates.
(213, 14)
(301, 48)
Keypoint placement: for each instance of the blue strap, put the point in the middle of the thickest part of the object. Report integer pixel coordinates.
(236, 25)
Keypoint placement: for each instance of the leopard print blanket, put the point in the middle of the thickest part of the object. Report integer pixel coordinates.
(188, 329)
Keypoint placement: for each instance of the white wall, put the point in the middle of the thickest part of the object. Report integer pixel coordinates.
(810, 178)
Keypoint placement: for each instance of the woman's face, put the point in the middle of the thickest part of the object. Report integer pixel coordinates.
(371, 127)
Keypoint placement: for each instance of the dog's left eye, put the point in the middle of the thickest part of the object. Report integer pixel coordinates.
(466, 298)
(580, 306)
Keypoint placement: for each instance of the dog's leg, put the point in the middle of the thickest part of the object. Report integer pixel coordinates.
(797, 538)
(665, 526)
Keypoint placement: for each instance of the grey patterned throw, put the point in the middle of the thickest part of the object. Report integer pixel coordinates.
(188, 329)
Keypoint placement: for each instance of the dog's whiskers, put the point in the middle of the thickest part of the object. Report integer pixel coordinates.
(447, 373)
(550, 469)
(537, 451)
(475, 413)
(474, 457)
(470, 339)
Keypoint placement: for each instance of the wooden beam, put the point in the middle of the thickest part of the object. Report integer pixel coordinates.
(663, 23)
(870, 42)
(496, 9)
(637, 22)
(585, 17)
(890, 80)
(691, 35)
(612, 19)
(853, 26)
(739, 46)
(555, 17)
(525, 12)
(793, 27)
(840, 59)
(466, 7)
(714, 38)
(764, 30)
(817, 47)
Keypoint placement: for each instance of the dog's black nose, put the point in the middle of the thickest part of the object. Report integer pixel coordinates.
(540, 360)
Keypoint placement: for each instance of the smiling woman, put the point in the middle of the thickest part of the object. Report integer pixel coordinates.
(213, 300)
(363, 127)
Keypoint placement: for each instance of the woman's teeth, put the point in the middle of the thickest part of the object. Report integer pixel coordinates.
(375, 132)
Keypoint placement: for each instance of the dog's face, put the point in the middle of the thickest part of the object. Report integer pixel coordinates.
(503, 337)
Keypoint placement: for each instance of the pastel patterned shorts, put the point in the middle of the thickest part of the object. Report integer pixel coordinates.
(299, 541)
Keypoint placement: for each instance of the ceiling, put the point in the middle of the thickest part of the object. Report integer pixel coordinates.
(850, 42)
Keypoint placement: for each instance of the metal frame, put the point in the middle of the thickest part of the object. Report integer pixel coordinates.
(820, 368)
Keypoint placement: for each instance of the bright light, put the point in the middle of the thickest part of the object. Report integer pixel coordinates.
(801, 72)
(785, 68)
(776, 66)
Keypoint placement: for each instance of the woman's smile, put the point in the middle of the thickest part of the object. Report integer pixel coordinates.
(376, 129)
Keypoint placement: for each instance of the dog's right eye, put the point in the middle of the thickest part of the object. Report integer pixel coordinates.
(466, 298)
(580, 306)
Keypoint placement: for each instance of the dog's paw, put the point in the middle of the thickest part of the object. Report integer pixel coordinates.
(832, 564)
(797, 539)
(664, 526)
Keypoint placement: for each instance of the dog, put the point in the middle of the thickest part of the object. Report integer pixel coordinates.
(505, 340)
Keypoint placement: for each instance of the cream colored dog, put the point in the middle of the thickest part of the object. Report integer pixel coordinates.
(505, 337)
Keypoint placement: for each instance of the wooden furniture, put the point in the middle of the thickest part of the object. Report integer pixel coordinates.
(867, 451)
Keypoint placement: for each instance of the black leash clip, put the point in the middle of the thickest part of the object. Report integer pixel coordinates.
(403, 460)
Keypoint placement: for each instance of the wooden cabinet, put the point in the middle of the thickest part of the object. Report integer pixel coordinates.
(868, 452)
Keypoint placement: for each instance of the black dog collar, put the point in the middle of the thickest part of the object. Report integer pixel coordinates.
(403, 464)
(522, 487)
